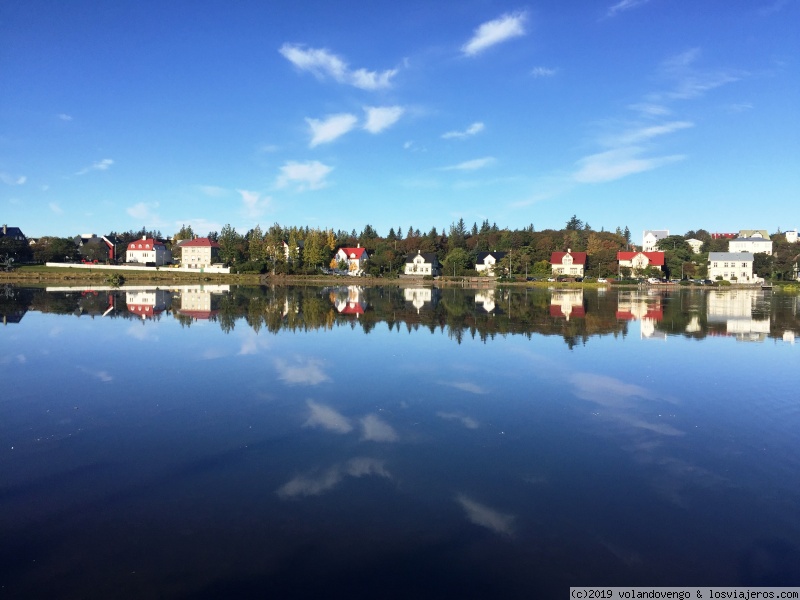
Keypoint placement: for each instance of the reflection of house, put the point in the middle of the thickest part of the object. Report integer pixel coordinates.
(637, 262)
(731, 266)
(147, 303)
(199, 253)
(567, 304)
(419, 297)
(422, 264)
(486, 300)
(349, 301)
(485, 261)
(735, 309)
(148, 250)
(650, 238)
(568, 263)
(198, 303)
(644, 308)
(354, 258)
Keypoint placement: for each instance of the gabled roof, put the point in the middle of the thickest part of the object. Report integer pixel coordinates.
(201, 242)
(578, 258)
(14, 232)
(430, 257)
(730, 256)
(656, 258)
(481, 257)
(354, 252)
(657, 233)
(146, 244)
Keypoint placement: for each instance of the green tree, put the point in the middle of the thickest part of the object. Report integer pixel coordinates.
(456, 262)
(230, 243)
(55, 249)
(574, 224)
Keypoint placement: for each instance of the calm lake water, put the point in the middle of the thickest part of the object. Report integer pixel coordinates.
(395, 443)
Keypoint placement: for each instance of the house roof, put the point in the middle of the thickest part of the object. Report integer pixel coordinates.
(352, 308)
(481, 257)
(657, 233)
(203, 242)
(14, 232)
(730, 256)
(656, 258)
(354, 252)
(430, 257)
(748, 233)
(578, 258)
(145, 244)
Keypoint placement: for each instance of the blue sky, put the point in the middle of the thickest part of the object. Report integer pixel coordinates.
(653, 114)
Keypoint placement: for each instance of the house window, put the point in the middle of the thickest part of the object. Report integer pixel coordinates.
(715, 265)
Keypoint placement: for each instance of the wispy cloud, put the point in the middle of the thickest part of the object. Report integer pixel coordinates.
(472, 165)
(323, 64)
(143, 211)
(301, 371)
(327, 418)
(56, 208)
(473, 129)
(494, 32)
(465, 386)
(618, 163)
(316, 484)
(309, 175)
(773, 7)
(254, 204)
(100, 165)
(11, 180)
(482, 515)
(65, 117)
(213, 191)
(326, 130)
(739, 107)
(382, 117)
(688, 80)
(623, 6)
(543, 72)
(466, 421)
(376, 430)
(648, 109)
(642, 134)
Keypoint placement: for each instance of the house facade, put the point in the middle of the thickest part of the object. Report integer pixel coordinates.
(695, 244)
(199, 253)
(486, 261)
(731, 266)
(569, 263)
(422, 264)
(638, 262)
(148, 250)
(650, 238)
(791, 236)
(354, 258)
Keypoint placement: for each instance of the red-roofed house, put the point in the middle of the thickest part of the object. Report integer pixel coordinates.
(568, 263)
(355, 258)
(148, 250)
(640, 261)
(199, 253)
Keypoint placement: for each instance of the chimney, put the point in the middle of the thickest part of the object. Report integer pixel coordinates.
(144, 237)
(569, 250)
(5, 229)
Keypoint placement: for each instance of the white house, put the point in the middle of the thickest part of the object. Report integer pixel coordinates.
(485, 261)
(639, 261)
(354, 258)
(148, 250)
(731, 266)
(422, 264)
(753, 245)
(568, 263)
(791, 236)
(650, 238)
(695, 244)
(199, 253)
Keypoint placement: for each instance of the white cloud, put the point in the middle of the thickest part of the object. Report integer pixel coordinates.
(56, 208)
(322, 63)
(642, 134)
(309, 175)
(328, 418)
(65, 117)
(212, 191)
(332, 127)
(376, 430)
(103, 376)
(473, 129)
(10, 180)
(543, 72)
(254, 204)
(624, 5)
(739, 107)
(689, 81)
(650, 110)
(100, 165)
(467, 422)
(494, 32)
(465, 386)
(382, 117)
(143, 212)
(471, 165)
(305, 372)
(482, 515)
(618, 163)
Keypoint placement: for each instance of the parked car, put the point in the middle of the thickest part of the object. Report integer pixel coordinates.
(602, 280)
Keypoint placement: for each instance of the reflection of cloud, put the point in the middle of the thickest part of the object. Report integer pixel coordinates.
(307, 373)
(607, 391)
(465, 386)
(482, 515)
(304, 485)
(325, 416)
(20, 358)
(213, 353)
(467, 422)
(376, 430)
(103, 376)
(142, 333)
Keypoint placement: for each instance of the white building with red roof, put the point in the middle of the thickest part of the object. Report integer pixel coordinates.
(148, 250)
(199, 253)
(640, 261)
(354, 258)
(569, 263)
